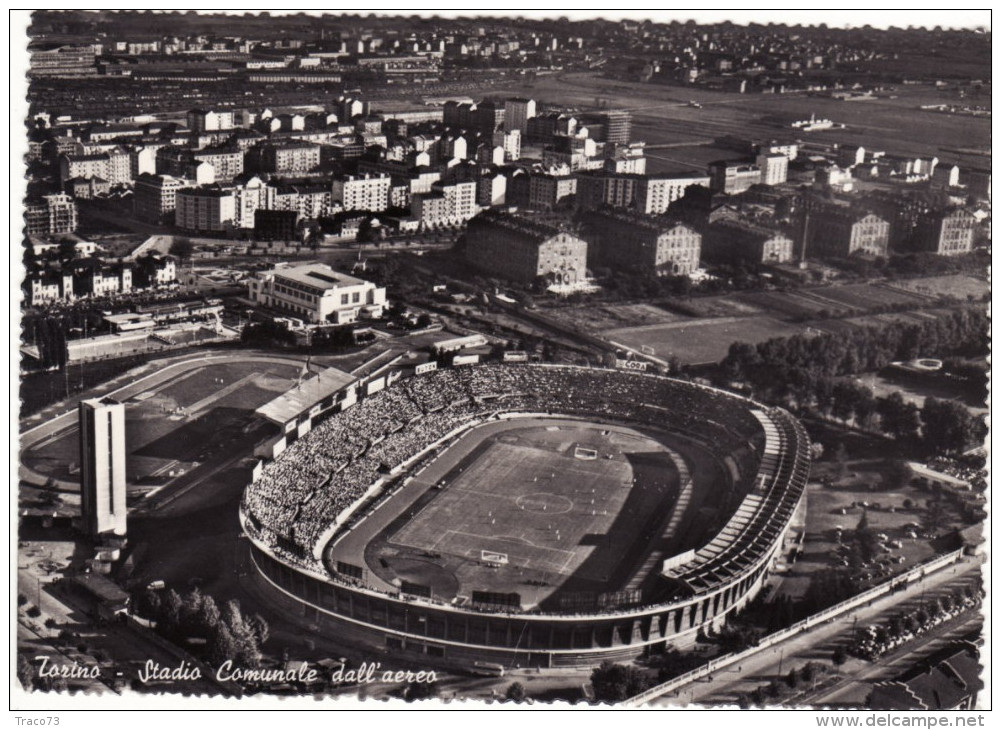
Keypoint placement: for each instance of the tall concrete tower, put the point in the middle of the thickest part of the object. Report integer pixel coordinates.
(102, 466)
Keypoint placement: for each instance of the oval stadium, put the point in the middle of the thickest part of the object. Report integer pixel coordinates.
(527, 515)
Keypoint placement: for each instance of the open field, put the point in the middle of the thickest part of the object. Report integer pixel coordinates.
(610, 316)
(563, 523)
(702, 340)
(174, 426)
(886, 515)
(953, 285)
(661, 116)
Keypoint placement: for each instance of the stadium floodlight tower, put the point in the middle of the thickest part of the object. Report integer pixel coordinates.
(102, 467)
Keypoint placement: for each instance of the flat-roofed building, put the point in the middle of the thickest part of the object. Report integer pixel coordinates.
(206, 209)
(733, 176)
(655, 193)
(517, 112)
(774, 168)
(520, 249)
(201, 120)
(54, 214)
(629, 240)
(102, 466)
(318, 294)
(155, 197)
(547, 192)
(290, 158)
(361, 192)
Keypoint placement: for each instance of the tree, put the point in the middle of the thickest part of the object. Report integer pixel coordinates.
(617, 682)
(897, 475)
(841, 460)
(25, 672)
(169, 618)
(839, 657)
(260, 628)
(222, 647)
(208, 617)
(182, 248)
(515, 692)
(948, 426)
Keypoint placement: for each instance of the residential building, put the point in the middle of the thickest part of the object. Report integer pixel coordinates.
(520, 249)
(604, 188)
(733, 177)
(80, 188)
(361, 192)
(548, 192)
(732, 240)
(53, 215)
(613, 126)
(155, 197)
(511, 143)
(318, 294)
(200, 120)
(47, 285)
(517, 112)
(276, 225)
(102, 467)
(206, 209)
(154, 270)
(774, 168)
(841, 230)
(945, 232)
(291, 158)
(451, 203)
(655, 193)
(226, 162)
(629, 240)
(84, 166)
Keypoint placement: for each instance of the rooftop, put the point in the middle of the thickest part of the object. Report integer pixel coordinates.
(304, 396)
(316, 275)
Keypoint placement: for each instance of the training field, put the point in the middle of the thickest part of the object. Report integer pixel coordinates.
(555, 521)
(700, 341)
(196, 417)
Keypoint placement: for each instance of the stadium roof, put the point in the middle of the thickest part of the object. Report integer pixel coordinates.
(305, 395)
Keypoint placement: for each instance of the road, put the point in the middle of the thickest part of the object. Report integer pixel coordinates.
(853, 688)
(815, 644)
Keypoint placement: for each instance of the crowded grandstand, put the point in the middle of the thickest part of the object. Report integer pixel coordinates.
(352, 462)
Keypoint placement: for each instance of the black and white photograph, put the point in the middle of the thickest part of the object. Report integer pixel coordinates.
(501, 360)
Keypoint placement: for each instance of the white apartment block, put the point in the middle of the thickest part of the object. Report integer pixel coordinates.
(361, 192)
(655, 194)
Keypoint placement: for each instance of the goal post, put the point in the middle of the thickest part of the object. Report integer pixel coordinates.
(490, 556)
(585, 454)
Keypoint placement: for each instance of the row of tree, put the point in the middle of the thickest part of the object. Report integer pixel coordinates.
(786, 365)
(813, 371)
(229, 635)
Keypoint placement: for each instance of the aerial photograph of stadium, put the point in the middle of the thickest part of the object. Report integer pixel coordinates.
(632, 359)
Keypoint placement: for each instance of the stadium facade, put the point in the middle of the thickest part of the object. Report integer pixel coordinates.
(306, 500)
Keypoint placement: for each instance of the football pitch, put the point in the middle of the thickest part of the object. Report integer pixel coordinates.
(170, 427)
(521, 509)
